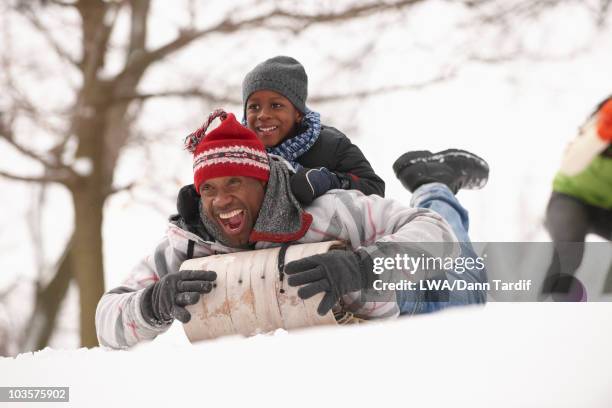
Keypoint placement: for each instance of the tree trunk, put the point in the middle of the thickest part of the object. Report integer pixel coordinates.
(47, 305)
(86, 256)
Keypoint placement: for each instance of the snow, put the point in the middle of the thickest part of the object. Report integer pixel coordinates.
(83, 166)
(500, 355)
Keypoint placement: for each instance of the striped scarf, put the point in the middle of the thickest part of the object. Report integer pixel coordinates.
(295, 146)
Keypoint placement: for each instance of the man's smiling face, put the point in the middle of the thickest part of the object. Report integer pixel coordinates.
(233, 203)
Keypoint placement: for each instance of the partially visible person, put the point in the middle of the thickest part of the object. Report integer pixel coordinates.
(581, 201)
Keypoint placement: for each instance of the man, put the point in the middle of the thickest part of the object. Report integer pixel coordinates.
(242, 200)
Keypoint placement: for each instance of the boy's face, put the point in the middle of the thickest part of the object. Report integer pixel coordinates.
(233, 202)
(271, 116)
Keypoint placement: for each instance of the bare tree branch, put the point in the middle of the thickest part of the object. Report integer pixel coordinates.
(382, 90)
(33, 216)
(23, 104)
(521, 53)
(47, 303)
(20, 102)
(32, 179)
(98, 21)
(6, 291)
(184, 93)
(57, 171)
(303, 21)
(504, 16)
(121, 189)
(602, 13)
(494, 12)
(216, 99)
(502, 11)
(27, 152)
(6, 134)
(61, 52)
(295, 22)
(62, 3)
(138, 26)
(191, 11)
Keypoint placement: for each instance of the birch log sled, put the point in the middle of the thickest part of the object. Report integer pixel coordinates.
(250, 297)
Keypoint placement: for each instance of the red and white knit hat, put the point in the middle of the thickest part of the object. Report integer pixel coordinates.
(228, 150)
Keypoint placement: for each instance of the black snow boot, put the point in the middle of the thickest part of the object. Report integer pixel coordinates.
(456, 168)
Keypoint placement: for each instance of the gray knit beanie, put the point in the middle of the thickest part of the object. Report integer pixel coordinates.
(281, 74)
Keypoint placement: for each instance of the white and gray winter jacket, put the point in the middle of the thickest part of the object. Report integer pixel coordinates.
(347, 215)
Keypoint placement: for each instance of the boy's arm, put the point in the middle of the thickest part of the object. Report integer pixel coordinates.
(355, 171)
(334, 162)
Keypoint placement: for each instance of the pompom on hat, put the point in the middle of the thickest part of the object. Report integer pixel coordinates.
(228, 150)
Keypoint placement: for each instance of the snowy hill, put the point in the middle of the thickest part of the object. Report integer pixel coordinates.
(501, 355)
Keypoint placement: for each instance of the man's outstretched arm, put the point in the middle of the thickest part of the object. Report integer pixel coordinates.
(150, 299)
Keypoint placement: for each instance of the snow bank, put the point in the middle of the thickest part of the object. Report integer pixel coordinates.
(502, 355)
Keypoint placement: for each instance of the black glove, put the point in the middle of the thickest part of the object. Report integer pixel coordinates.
(188, 204)
(166, 299)
(336, 273)
(308, 184)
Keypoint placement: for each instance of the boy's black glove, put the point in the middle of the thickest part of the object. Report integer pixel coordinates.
(336, 273)
(166, 299)
(308, 184)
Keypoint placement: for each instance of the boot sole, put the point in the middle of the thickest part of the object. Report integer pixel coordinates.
(410, 158)
(479, 168)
